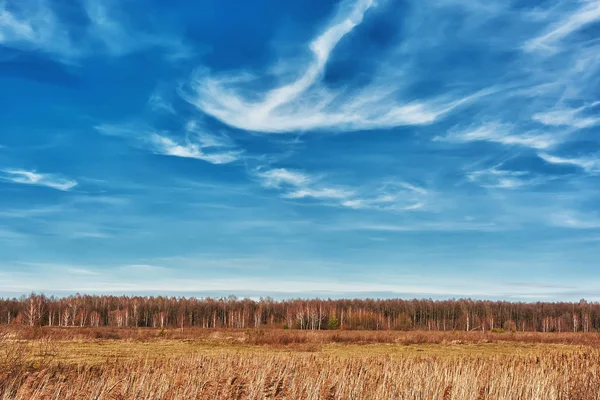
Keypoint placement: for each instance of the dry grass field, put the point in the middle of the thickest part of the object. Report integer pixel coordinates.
(102, 363)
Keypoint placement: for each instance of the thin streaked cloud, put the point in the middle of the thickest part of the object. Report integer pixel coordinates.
(32, 177)
(588, 164)
(505, 134)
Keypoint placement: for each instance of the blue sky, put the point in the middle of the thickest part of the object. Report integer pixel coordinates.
(443, 148)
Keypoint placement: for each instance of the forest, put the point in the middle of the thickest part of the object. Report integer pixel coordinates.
(314, 314)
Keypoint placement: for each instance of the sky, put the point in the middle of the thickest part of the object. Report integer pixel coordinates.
(355, 148)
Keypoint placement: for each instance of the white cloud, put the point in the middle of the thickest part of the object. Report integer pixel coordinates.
(158, 103)
(590, 165)
(167, 146)
(385, 203)
(33, 25)
(549, 41)
(566, 117)
(500, 133)
(414, 188)
(320, 193)
(391, 196)
(108, 28)
(395, 196)
(34, 178)
(415, 206)
(193, 129)
(198, 144)
(305, 104)
(502, 179)
(275, 178)
(36, 25)
(299, 185)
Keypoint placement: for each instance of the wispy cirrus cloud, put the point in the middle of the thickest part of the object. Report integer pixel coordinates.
(33, 25)
(169, 147)
(498, 178)
(307, 104)
(556, 71)
(551, 40)
(275, 178)
(299, 185)
(502, 133)
(26, 177)
(197, 143)
(40, 25)
(590, 165)
(118, 38)
(568, 117)
(564, 54)
(323, 193)
(392, 196)
(157, 102)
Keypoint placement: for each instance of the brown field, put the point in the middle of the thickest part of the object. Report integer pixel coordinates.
(104, 363)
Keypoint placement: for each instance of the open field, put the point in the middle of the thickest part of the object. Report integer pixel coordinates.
(55, 363)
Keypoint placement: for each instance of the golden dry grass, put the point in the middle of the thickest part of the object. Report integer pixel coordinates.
(296, 365)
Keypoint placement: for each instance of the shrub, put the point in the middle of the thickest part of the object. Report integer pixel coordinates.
(333, 323)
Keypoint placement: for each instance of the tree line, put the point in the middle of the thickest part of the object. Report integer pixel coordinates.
(315, 314)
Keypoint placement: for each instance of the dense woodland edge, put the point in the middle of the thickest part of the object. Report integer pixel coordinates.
(317, 314)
